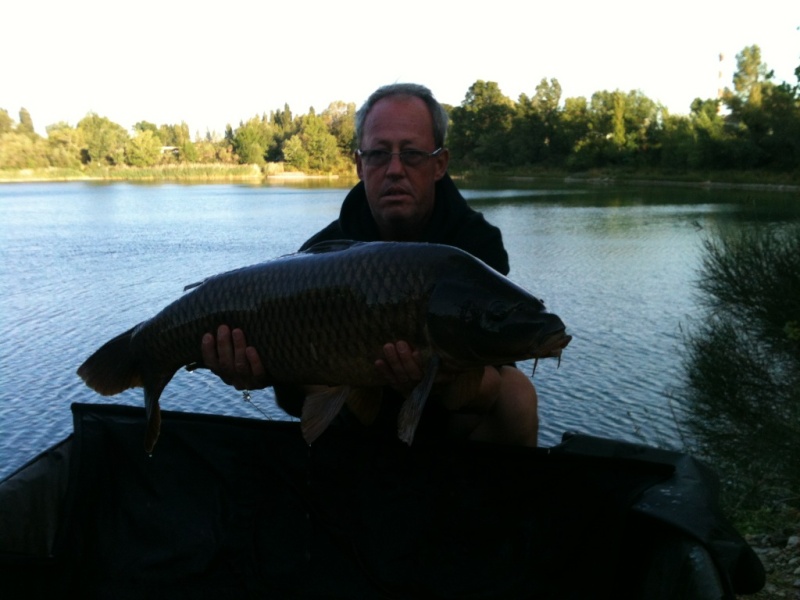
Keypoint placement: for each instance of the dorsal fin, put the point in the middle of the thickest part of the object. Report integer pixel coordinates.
(331, 246)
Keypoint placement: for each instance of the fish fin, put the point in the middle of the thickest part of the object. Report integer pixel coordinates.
(152, 409)
(319, 409)
(113, 368)
(411, 410)
(191, 286)
(331, 246)
(365, 404)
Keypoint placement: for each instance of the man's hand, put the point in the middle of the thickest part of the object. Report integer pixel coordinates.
(401, 365)
(403, 369)
(236, 363)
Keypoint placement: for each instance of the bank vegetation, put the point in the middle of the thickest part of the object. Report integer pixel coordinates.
(750, 133)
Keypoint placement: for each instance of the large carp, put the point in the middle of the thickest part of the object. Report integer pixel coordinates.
(322, 317)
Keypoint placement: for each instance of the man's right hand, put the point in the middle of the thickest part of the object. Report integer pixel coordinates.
(236, 363)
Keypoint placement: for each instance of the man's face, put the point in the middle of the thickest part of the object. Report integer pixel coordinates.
(400, 197)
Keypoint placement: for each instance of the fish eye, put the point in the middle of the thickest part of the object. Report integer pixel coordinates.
(498, 310)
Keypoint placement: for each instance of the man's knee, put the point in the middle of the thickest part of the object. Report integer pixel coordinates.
(519, 406)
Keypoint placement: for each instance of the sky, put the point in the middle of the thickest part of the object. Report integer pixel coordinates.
(210, 64)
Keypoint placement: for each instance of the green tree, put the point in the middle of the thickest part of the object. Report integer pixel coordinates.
(748, 120)
(179, 137)
(764, 116)
(676, 142)
(623, 130)
(143, 150)
(147, 126)
(295, 155)
(575, 126)
(749, 79)
(481, 125)
(25, 122)
(104, 140)
(252, 140)
(283, 122)
(536, 124)
(22, 151)
(781, 115)
(65, 144)
(340, 119)
(6, 122)
(715, 145)
(313, 148)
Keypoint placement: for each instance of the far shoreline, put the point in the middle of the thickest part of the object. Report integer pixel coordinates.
(218, 173)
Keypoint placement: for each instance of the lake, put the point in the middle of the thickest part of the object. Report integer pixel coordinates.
(82, 262)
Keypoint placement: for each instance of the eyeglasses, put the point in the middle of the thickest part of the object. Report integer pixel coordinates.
(410, 158)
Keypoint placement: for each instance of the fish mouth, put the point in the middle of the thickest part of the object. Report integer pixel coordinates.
(552, 345)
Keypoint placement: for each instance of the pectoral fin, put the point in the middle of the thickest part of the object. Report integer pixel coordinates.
(319, 409)
(411, 410)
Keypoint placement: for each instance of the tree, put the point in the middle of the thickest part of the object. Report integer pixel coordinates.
(676, 142)
(147, 126)
(252, 140)
(313, 148)
(714, 143)
(575, 126)
(622, 129)
(65, 144)
(6, 122)
(536, 123)
(752, 125)
(178, 136)
(295, 155)
(143, 150)
(781, 121)
(749, 79)
(340, 119)
(21, 151)
(764, 116)
(25, 122)
(104, 140)
(481, 125)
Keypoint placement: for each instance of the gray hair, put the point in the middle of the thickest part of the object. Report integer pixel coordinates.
(409, 90)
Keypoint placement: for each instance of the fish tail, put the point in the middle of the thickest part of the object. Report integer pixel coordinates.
(113, 368)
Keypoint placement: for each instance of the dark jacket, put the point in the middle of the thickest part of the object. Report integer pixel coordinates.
(453, 223)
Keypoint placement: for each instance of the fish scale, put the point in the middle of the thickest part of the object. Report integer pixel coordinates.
(322, 317)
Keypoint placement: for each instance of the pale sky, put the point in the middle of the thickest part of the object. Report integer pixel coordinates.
(214, 63)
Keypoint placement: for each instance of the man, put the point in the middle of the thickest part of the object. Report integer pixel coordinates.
(405, 194)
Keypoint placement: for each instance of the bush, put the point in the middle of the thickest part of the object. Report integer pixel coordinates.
(743, 365)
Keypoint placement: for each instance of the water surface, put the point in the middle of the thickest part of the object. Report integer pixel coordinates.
(83, 262)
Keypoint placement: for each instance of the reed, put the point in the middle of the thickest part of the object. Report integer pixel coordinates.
(43, 174)
(178, 172)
